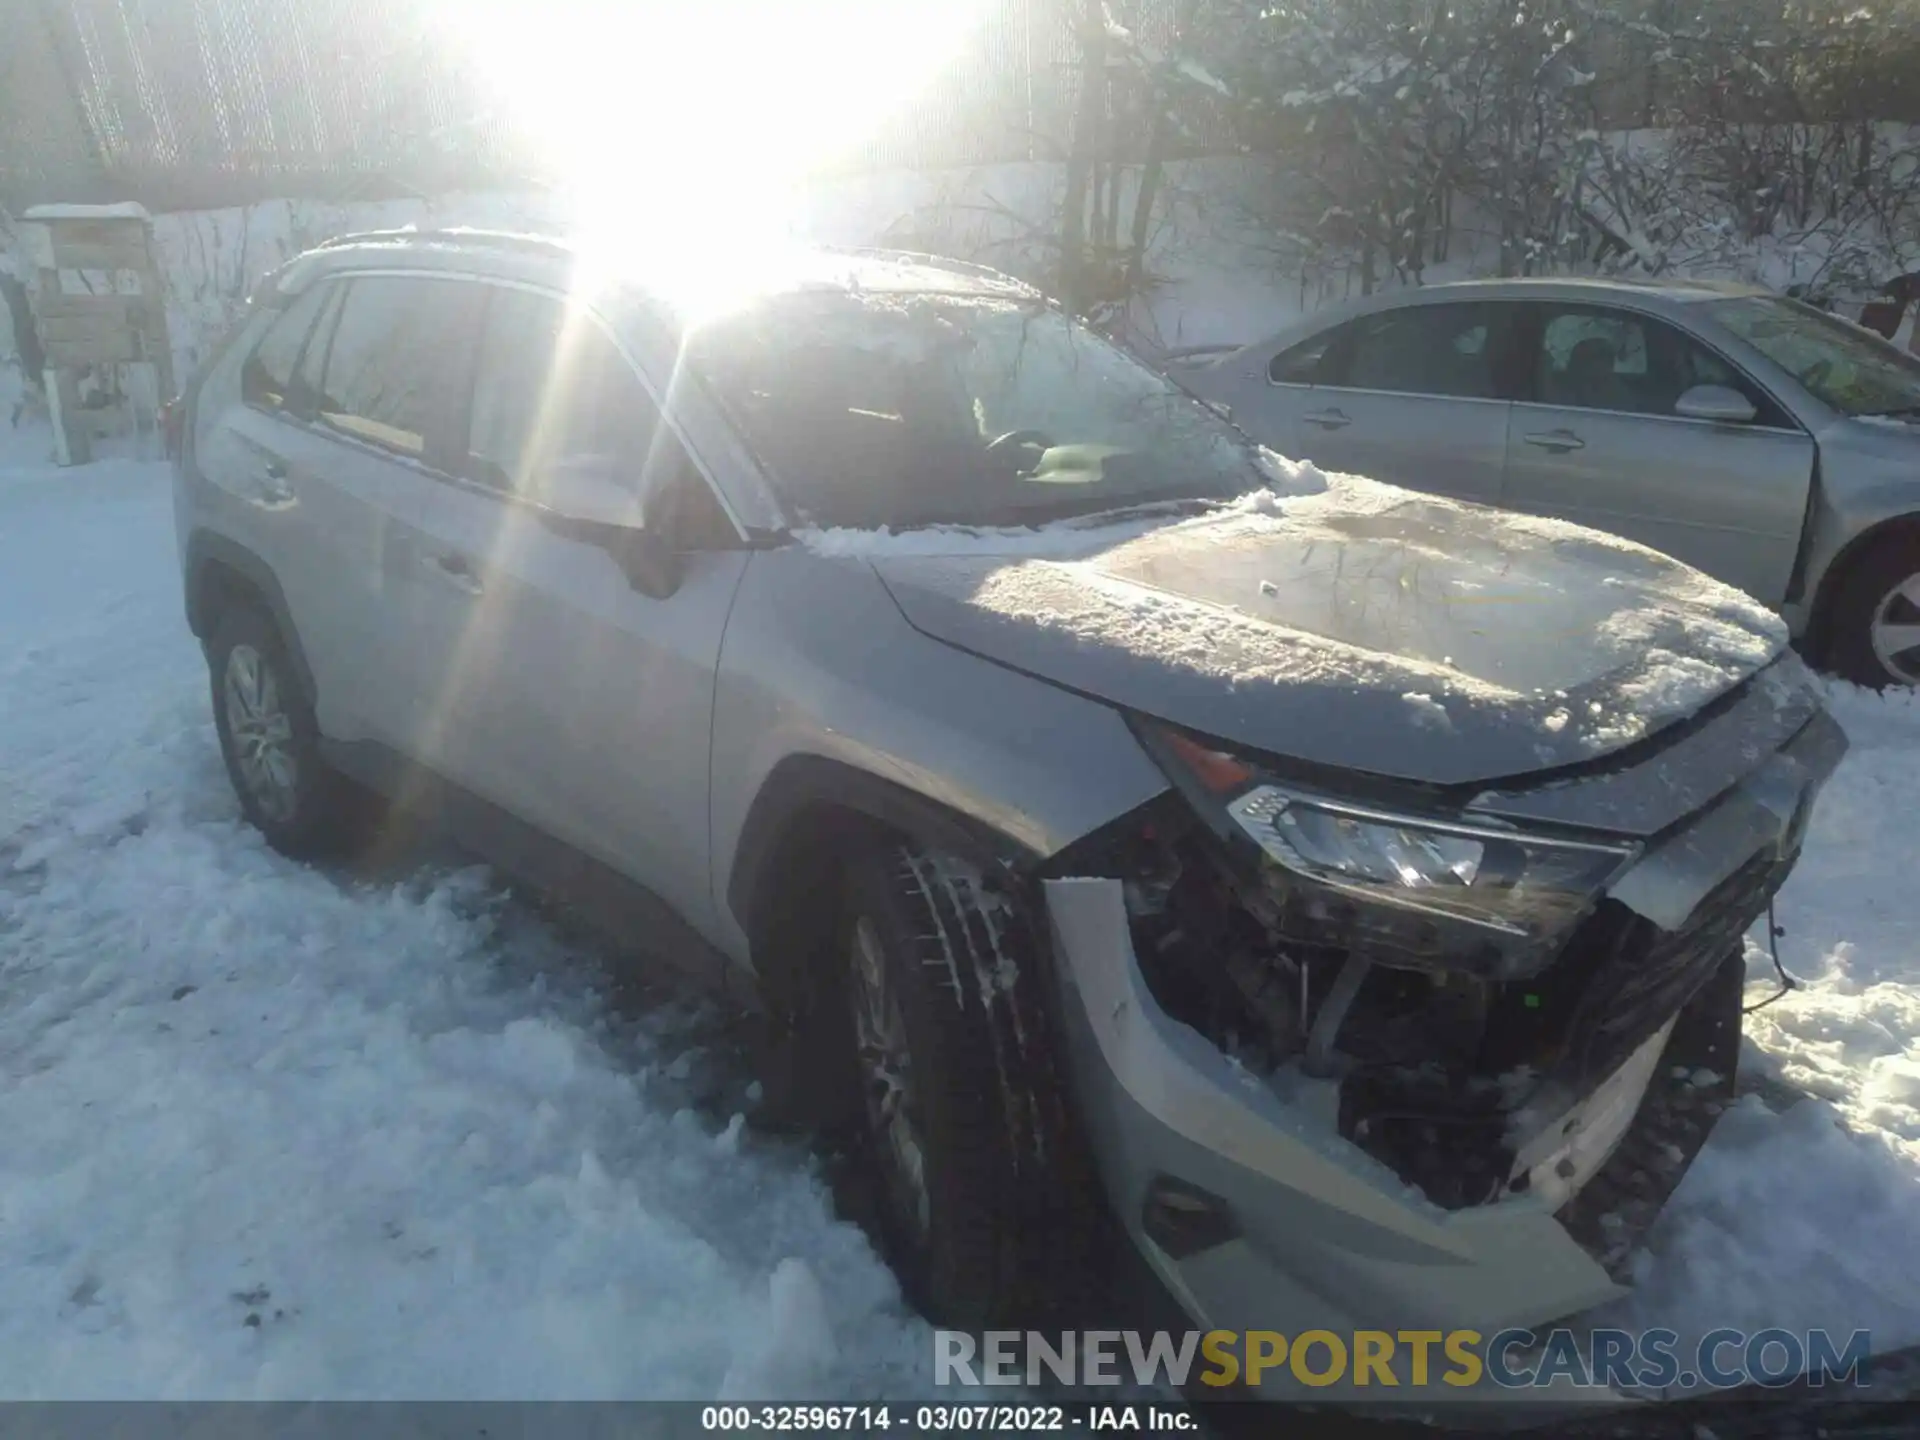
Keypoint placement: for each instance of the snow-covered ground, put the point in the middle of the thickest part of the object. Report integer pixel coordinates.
(271, 1132)
(1788, 1218)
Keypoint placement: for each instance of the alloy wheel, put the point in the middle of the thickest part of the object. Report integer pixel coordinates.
(1895, 631)
(261, 733)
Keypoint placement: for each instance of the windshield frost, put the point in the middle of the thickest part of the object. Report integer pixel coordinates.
(935, 408)
(1844, 366)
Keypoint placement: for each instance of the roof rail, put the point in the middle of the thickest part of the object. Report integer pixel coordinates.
(917, 257)
(460, 235)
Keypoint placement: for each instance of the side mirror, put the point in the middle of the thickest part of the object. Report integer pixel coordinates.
(586, 487)
(587, 499)
(1717, 403)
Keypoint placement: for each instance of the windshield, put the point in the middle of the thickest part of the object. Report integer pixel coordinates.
(1853, 371)
(929, 407)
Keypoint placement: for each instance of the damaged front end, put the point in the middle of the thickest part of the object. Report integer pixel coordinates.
(1503, 1023)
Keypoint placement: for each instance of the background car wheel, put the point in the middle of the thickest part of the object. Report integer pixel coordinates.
(270, 742)
(984, 1200)
(1873, 627)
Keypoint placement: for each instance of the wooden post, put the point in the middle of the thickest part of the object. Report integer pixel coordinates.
(72, 445)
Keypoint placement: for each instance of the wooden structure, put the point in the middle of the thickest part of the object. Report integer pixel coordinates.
(98, 307)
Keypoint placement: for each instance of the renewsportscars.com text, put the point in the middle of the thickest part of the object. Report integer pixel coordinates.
(1508, 1359)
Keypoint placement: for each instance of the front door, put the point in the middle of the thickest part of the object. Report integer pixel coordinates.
(1596, 441)
(564, 694)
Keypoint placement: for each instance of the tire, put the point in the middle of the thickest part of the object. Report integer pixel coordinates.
(1880, 586)
(303, 807)
(1003, 1215)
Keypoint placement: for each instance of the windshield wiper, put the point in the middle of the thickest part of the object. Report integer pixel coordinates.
(1898, 412)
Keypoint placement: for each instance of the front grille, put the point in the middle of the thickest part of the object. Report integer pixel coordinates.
(1644, 974)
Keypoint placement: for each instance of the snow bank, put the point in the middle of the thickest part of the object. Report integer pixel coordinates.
(275, 1133)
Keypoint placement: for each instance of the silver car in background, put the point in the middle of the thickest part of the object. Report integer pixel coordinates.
(1770, 444)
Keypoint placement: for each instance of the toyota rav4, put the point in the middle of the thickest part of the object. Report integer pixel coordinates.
(1342, 889)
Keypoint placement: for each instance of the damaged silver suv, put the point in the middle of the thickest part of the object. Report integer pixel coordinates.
(1353, 880)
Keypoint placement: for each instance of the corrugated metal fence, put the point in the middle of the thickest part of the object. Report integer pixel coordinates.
(201, 102)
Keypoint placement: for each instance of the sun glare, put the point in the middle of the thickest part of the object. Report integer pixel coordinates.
(700, 116)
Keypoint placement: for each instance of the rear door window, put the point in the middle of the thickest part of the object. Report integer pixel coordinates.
(1445, 350)
(394, 361)
(1306, 362)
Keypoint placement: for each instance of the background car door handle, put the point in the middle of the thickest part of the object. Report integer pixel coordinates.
(1328, 419)
(1558, 441)
(458, 569)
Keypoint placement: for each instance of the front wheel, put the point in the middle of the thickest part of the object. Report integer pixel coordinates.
(1874, 624)
(984, 1204)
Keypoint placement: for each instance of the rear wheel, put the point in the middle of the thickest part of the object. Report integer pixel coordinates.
(1874, 623)
(983, 1200)
(270, 741)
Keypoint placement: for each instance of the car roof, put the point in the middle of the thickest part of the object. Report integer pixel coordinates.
(660, 277)
(1679, 289)
(1657, 293)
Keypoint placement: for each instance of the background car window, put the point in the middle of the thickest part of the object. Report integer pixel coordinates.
(1856, 372)
(391, 360)
(1424, 350)
(552, 389)
(268, 374)
(1303, 363)
(1613, 360)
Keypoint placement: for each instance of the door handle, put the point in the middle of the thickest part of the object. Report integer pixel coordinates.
(1558, 442)
(270, 486)
(1328, 419)
(458, 569)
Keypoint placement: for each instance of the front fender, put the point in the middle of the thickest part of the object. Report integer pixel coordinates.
(825, 692)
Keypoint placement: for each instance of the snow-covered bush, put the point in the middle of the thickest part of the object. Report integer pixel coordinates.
(1542, 135)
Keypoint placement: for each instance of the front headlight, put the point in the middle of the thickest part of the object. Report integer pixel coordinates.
(1422, 890)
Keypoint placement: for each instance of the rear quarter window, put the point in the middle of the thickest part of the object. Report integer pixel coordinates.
(267, 377)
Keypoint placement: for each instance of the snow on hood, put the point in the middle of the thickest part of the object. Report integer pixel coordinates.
(1066, 538)
(1363, 626)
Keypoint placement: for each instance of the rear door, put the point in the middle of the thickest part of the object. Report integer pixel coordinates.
(379, 380)
(1595, 440)
(1412, 396)
(346, 419)
(564, 694)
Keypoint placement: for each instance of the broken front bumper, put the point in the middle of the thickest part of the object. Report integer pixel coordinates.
(1257, 1214)
(1316, 1235)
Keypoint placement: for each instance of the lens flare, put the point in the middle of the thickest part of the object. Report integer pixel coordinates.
(697, 118)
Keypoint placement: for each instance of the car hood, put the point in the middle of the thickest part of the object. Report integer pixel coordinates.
(1363, 627)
